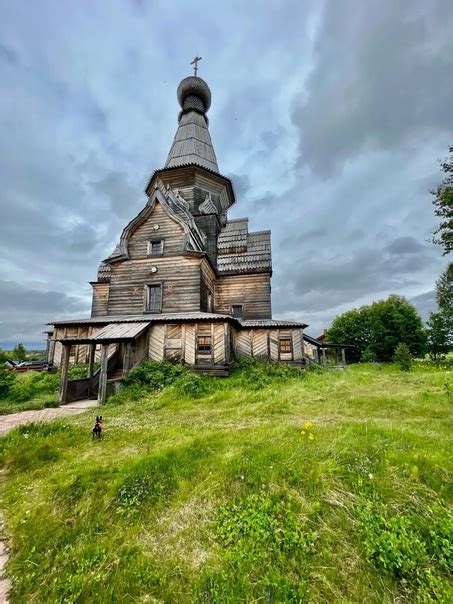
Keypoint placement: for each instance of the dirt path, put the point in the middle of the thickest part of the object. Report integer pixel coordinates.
(8, 422)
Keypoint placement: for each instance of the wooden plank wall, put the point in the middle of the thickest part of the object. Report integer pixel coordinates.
(170, 231)
(260, 343)
(100, 301)
(243, 342)
(297, 344)
(173, 342)
(252, 291)
(189, 344)
(179, 275)
(156, 342)
(219, 344)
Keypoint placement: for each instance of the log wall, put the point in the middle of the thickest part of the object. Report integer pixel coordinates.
(252, 291)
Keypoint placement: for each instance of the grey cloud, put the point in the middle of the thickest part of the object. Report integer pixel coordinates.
(119, 192)
(8, 54)
(380, 80)
(405, 245)
(24, 310)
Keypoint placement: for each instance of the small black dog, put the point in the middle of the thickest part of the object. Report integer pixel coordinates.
(97, 430)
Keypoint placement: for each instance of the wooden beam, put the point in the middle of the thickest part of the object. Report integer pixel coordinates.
(343, 356)
(64, 374)
(324, 360)
(103, 373)
(127, 357)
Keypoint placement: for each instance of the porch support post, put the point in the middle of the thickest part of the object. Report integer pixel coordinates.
(91, 354)
(64, 374)
(343, 356)
(324, 357)
(127, 357)
(103, 373)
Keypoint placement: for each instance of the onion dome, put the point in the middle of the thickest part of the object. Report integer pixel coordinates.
(194, 94)
(192, 143)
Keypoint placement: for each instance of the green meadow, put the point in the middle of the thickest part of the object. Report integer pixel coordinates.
(272, 485)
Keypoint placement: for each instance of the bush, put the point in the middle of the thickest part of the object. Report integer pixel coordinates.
(191, 384)
(6, 381)
(31, 384)
(155, 374)
(403, 357)
(255, 373)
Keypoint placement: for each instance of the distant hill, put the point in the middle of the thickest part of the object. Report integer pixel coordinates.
(425, 304)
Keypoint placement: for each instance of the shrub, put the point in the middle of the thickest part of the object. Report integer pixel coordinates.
(6, 381)
(155, 374)
(255, 373)
(31, 384)
(191, 384)
(403, 357)
(368, 356)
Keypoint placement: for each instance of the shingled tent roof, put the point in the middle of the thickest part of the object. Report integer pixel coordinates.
(192, 143)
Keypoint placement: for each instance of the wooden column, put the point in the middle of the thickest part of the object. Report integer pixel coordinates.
(103, 373)
(343, 356)
(324, 357)
(64, 374)
(91, 354)
(127, 357)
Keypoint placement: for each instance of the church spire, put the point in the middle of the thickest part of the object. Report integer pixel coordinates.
(192, 143)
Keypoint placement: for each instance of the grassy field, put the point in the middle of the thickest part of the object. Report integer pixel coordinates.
(268, 486)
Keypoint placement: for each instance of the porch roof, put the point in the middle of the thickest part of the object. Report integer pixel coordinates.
(113, 332)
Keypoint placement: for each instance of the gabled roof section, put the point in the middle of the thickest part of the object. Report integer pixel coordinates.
(192, 143)
(176, 208)
(242, 252)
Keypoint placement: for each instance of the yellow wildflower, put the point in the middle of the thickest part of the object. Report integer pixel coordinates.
(311, 436)
(308, 425)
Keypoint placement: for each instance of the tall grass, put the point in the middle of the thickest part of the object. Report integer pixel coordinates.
(270, 486)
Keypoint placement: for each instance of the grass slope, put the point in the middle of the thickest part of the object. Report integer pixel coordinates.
(266, 487)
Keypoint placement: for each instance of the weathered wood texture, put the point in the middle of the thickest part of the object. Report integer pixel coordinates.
(159, 226)
(180, 277)
(189, 344)
(265, 343)
(252, 291)
(100, 301)
(156, 342)
(194, 184)
(207, 286)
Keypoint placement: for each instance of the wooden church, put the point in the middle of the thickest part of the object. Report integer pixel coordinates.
(184, 283)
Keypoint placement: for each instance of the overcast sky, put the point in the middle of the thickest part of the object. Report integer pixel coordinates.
(330, 118)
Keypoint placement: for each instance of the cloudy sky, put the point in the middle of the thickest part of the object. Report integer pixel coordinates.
(330, 117)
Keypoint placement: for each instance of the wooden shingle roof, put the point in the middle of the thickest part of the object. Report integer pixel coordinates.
(242, 252)
(192, 143)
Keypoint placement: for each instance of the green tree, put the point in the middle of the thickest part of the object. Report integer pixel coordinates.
(377, 329)
(352, 327)
(438, 334)
(403, 357)
(444, 293)
(19, 352)
(443, 207)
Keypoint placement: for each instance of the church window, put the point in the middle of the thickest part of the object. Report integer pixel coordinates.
(154, 297)
(72, 350)
(285, 345)
(204, 344)
(236, 311)
(155, 248)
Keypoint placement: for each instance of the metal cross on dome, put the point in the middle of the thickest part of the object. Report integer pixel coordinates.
(195, 62)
